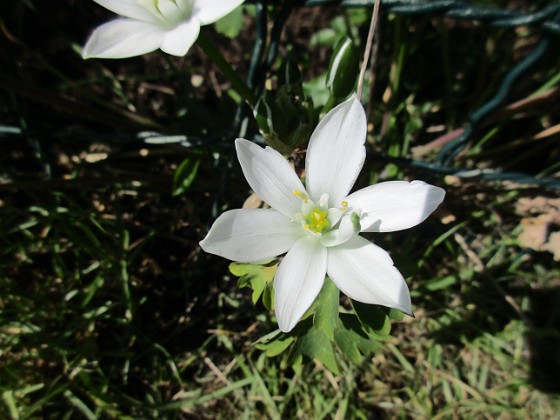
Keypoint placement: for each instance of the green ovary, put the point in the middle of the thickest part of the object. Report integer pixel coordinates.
(317, 221)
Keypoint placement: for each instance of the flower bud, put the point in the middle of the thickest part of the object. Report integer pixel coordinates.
(343, 69)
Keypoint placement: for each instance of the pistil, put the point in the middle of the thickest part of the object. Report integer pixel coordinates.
(317, 221)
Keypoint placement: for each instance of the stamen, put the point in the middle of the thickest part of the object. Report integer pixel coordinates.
(301, 195)
(344, 205)
(324, 200)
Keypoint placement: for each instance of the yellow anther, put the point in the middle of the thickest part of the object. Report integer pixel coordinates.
(344, 205)
(301, 195)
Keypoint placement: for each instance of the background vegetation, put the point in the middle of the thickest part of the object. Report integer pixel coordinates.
(108, 307)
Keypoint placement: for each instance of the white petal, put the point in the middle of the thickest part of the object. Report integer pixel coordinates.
(333, 215)
(185, 6)
(365, 272)
(248, 235)
(395, 205)
(336, 152)
(271, 177)
(129, 8)
(123, 38)
(338, 236)
(179, 40)
(298, 281)
(152, 7)
(170, 12)
(210, 11)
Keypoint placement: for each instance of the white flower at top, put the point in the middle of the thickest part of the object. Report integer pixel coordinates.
(146, 25)
(318, 225)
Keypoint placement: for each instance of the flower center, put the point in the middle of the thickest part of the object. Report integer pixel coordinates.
(330, 225)
(170, 12)
(317, 221)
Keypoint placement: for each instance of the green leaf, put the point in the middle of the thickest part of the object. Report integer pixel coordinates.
(440, 283)
(231, 24)
(352, 340)
(275, 343)
(185, 175)
(313, 344)
(290, 75)
(257, 277)
(327, 309)
(395, 314)
(268, 296)
(373, 318)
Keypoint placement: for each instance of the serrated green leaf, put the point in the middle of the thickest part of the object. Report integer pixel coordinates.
(373, 318)
(185, 175)
(231, 24)
(327, 309)
(255, 276)
(352, 339)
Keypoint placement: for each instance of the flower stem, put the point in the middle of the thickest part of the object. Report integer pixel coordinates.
(238, 84)
(367, 51)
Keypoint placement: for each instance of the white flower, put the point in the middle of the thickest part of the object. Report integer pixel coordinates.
(318, 225)
(146, 25)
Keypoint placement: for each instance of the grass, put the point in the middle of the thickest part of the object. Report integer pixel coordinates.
(108, 307)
